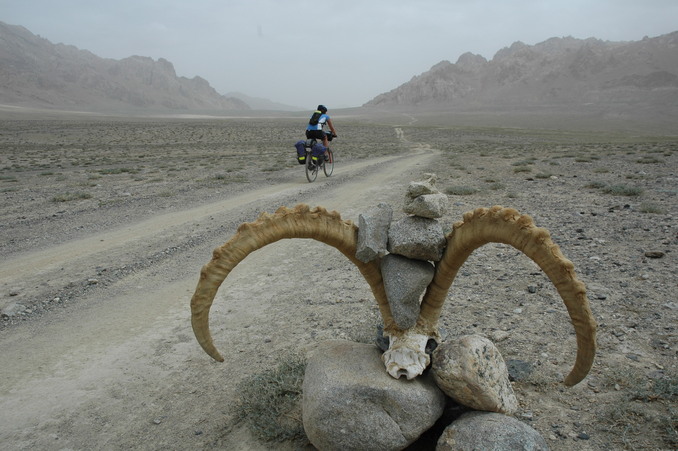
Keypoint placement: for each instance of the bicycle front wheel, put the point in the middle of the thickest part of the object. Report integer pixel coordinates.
(328, 167)
(311, 170)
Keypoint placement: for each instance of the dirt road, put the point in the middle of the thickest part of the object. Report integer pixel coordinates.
(118, 367)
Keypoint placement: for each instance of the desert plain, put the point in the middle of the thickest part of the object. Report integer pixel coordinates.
(105, 223)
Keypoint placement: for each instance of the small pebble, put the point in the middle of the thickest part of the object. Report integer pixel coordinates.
(654, 254)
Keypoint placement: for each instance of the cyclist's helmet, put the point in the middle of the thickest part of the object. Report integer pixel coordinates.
(322, 109)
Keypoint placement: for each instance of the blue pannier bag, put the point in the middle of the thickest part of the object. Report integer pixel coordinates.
(317, 152)
(301, 151)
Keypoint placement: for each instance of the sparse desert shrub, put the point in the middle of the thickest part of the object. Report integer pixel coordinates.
(522, 169)
(665, 388)
(543, 175)
(596, 185)
(650, 208)
(648, 160)
(640, 387)
(67, 197)
(624, 422)
(270, 403)
(627, 419)
(460, 190)
(623, 190)
(111, 171)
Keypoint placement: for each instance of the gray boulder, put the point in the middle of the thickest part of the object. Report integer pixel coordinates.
(471, 371)
(351, 403)
(405, 281)
(490, 432)
(373, 233)
(417, 238)
(427, 206)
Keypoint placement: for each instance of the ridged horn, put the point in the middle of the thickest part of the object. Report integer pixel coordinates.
(506, 225)
(297, 222)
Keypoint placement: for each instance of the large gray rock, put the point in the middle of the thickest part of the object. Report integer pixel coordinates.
(427, 206)
(405, 281)
(490, 432)
(373, 233)
(417, 238)
(471, 371)
(351, 403)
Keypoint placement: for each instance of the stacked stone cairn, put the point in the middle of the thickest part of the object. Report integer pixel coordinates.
(349, 400)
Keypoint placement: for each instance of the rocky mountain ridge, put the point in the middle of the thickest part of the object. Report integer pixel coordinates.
(556, 72)
(37, 73)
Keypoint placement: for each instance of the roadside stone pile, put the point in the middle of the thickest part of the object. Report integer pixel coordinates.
(349, 400)
(406, 247)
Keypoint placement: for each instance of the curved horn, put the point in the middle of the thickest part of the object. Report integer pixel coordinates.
(506, 225)
(298, 222)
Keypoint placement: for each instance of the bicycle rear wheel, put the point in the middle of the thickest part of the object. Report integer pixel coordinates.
(311, 169)
(328, 167)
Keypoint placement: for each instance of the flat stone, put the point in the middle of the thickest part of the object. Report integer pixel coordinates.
(405, 281)
(417, 238)
(373, 233)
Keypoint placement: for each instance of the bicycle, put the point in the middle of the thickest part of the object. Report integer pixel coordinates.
(312, 169)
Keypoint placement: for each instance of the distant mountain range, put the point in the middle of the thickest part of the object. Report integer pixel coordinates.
(565, 74)
(36, 73)
(257, 103)
(559, 72)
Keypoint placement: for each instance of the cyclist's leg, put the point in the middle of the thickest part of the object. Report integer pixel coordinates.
(326, 143)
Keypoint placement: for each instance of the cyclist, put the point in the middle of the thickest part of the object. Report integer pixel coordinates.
(314, 130)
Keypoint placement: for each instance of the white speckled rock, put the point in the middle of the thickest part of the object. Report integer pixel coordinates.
(471, 371)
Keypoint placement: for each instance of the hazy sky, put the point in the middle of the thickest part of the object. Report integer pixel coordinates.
(341, 53)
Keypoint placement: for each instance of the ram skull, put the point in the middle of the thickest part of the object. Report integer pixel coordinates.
(406, 354)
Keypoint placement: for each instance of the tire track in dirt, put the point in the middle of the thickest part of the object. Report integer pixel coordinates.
(53, 257)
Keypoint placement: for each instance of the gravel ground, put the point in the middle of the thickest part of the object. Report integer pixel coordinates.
(106, 222)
